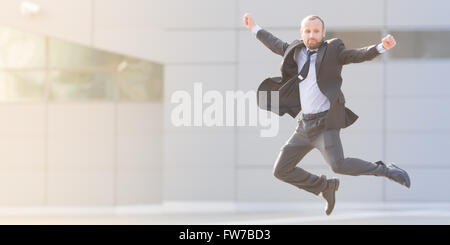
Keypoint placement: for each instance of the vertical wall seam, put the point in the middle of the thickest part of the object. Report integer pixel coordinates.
(236, 148)
(116, 142)
(92, 22)
(46, 120)
(385, 56)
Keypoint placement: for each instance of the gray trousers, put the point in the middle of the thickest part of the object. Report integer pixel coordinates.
(311, 134)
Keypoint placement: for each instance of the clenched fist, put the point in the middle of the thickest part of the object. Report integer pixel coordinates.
(249, 22)
(388, 42)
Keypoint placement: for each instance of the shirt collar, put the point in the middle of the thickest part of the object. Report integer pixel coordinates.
(306, 49)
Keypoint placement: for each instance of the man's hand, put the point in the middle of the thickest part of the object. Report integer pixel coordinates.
(249, 22)
(388, 42)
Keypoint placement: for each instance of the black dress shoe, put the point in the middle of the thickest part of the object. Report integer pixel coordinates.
(396, 174)
(330, 194)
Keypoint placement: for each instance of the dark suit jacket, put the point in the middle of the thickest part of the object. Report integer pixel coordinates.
(331, 56)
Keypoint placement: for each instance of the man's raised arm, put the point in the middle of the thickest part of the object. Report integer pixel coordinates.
(270, 41)
(347, 56)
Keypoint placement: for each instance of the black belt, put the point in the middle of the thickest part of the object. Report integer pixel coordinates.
(313, 116)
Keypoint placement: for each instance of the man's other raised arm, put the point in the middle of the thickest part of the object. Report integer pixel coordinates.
(347, 56)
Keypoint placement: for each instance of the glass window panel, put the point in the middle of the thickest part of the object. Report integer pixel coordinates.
(420, 44)
(75, 86)
(140, 80)
(20, 49)
(357, 39)
(67, 54)
(20, 85)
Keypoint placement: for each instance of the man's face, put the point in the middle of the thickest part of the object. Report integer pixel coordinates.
(312, 33)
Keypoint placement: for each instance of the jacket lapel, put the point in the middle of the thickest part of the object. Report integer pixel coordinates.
(294, 44)
(320, 54)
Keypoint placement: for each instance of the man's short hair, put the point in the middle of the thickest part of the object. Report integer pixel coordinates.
(313, 17)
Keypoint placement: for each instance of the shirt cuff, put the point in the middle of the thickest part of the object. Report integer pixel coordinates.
(255, 29)
(380, 48)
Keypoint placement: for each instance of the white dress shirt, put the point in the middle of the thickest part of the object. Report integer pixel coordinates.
(312, 99)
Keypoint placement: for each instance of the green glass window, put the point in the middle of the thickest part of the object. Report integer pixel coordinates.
(34, 67)
(22, 85)
(21, 50)
(357, 39)
(68, 85)
(420, 44)
(140, 80)
(66, 54)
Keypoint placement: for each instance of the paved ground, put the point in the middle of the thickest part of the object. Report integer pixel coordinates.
(397, 216)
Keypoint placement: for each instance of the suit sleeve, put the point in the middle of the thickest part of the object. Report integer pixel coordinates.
(347, 56)
(273, 43)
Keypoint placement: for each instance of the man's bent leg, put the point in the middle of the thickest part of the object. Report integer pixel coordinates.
(285, 166)
(329, 144)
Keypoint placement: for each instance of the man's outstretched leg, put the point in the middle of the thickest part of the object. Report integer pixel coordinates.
(329, 144)
(286, 170)
(290, 155)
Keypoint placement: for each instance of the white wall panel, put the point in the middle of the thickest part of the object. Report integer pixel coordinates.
(22, 154)
(139, 136)
(418, 113)
(207, 183)
(370, 112)
(185, 46)
(200, 14)
(367, 146)
(22, 188)
(427, 185)
(352, 13)
(254, 150)
(199, 149)
(81, 154)
(433, 13)
(363, 80)
(419, 149)
(115, 14)
(139, 187)
(22, 137)
(418, 78)
(139, 153)
(81, 137)
(142, 42)
(80, 188)
(212, 78)
(66, 19)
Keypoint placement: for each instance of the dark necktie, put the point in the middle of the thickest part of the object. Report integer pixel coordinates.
(287, 88)
(305, 68)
